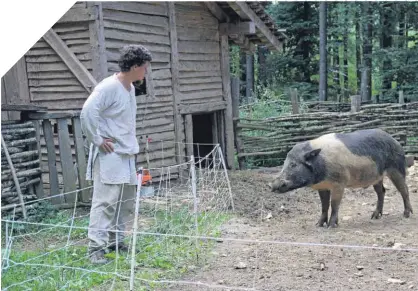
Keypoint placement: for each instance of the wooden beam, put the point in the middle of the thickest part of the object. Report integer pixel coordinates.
(22, 107)
(71, 60)
(97, 41)
(81, 159)
(202, 108)
(150, 82)
(189, 135)
(217, 11)
(226, 89)
(16, 88)
(175, 65)
(260, 24)
(66, 158)
(22, 77)
(241, 28)
(52, 115)
(78, 14)
(52, 162)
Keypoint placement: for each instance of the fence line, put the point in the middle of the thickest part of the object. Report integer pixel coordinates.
(226, 239)
(276, 136)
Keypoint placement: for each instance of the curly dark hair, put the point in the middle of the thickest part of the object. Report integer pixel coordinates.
(131, 55)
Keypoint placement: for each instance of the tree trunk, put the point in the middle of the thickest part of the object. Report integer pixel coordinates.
(345, 43)
(323, 51)
(262, 70)
(306, 46)
(387, 29)
(249, 87)
(366, 79)
(243, 77)
(358, 50)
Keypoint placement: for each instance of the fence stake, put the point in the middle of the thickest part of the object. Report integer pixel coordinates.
(194, 192)
(295, 101)
(401, 97)
(235, 114)
(134, 231)
(355, 103)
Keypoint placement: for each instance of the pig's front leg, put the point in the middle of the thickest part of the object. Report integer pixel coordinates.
(336, 197)
(325, 196)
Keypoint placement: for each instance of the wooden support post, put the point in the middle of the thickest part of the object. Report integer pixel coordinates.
(52, 162)
(66, 157)
(221, 130)
(39, 187)
(401, 97)
(295, 101)
(355, 103)
(81, 159)
(189, 134)
(226, 88)
(97, 42)
(214, 121)
(175, 64)
(235, 114)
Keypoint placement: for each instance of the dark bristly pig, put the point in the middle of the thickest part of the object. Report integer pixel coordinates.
(335, 161)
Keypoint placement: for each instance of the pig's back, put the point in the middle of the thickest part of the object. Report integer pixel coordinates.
(360, 155)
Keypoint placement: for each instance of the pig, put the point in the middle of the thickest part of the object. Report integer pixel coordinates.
(335, 161)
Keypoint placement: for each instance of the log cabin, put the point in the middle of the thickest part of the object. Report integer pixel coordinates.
(186, 96)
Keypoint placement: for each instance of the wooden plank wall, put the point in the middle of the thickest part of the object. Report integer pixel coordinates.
(199, 54)
(146, 24)
(52, 84)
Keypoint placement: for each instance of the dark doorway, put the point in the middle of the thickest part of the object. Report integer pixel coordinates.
(202, 135)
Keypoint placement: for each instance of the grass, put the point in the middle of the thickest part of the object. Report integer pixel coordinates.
(43, 258)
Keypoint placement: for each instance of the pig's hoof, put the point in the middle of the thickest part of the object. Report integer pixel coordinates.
(323, 220)
(407, 213)
(376, 214)
(333, 222)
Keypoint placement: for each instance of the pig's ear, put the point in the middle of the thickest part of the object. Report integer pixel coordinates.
(312, 154)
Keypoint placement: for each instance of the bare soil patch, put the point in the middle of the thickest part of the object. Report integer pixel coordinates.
(291, 217)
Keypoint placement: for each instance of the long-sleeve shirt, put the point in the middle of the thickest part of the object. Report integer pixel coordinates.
(110, 112)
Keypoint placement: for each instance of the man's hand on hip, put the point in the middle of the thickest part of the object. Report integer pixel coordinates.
(107, 145)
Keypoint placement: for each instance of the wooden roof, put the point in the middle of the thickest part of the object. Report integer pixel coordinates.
(266, 33)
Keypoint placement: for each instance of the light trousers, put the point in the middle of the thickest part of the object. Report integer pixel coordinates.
(111, 209)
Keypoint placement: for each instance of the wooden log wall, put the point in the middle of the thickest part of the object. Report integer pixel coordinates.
(276, 136)
(21, 143)
(146, 23)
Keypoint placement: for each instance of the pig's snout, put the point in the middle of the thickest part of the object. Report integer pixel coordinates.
(280, 186)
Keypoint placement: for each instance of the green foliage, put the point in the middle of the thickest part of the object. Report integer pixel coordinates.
(394, 49)
(297, 64)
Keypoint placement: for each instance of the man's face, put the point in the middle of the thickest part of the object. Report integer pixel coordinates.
(140, 71)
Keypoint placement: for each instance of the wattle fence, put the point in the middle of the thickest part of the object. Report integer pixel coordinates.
(260, 141)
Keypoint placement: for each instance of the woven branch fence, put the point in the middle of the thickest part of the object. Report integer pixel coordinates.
(274, 137)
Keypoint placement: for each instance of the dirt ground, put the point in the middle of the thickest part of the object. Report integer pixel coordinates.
(291, 217)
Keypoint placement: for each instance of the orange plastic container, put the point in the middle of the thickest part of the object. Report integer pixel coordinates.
(146, 177)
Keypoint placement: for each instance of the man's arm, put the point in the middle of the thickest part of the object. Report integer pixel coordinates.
(89, 117)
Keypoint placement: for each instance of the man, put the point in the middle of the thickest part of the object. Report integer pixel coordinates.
(108, 119)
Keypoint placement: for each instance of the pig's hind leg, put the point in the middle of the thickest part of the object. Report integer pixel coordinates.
(380, 191)
(398, 179)
(325, 197)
